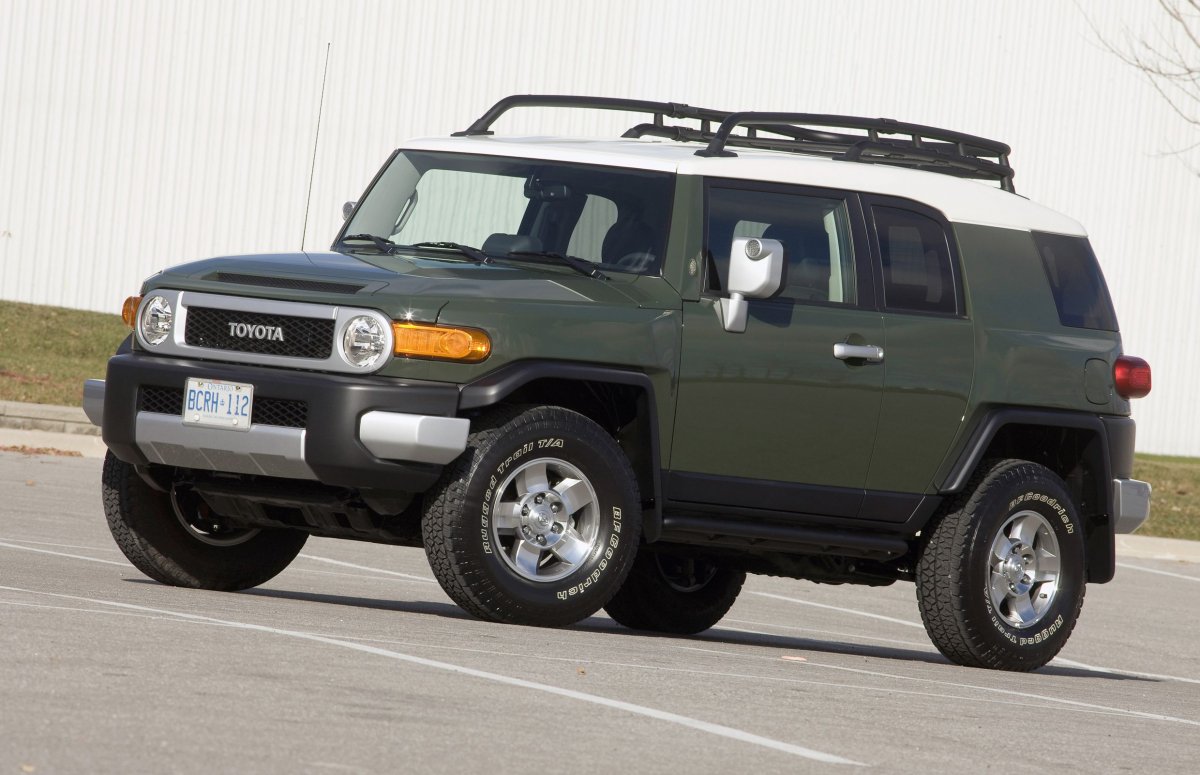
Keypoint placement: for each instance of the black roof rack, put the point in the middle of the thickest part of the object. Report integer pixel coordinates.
(661, 110)
(872, 140)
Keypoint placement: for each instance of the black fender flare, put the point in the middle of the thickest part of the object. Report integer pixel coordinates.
(1101, 543)
(495, 386)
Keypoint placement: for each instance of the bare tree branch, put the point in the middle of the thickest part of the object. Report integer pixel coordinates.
(1170, 59)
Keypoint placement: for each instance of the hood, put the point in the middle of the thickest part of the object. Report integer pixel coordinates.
(416, 286)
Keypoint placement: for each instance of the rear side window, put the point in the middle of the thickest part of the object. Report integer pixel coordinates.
(1076, 282)
(918, 271)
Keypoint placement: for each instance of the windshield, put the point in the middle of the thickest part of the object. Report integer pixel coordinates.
(614, 218)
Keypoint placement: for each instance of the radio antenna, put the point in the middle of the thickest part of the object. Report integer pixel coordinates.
(316, 139)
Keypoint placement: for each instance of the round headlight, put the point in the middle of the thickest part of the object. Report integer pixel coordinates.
(363, 341)
(156, 319)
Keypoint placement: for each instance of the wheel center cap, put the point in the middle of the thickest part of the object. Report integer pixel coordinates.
(1014, 570)
(540, 519)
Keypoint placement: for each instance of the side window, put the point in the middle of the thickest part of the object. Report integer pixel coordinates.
(587, 238)
(815, 232)
(918, 271)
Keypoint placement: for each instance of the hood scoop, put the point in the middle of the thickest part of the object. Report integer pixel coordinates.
(292, 283)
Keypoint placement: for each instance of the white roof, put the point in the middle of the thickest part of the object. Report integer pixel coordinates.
(961, 200)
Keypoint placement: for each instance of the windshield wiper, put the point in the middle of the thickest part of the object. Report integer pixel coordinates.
(384, 244)
(578, 264)
(475, 254)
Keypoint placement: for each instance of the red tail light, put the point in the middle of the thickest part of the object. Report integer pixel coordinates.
(1131, 376)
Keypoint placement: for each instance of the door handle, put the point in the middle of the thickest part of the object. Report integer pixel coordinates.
(867, 352)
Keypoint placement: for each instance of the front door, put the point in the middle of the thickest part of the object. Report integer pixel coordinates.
(772, 418)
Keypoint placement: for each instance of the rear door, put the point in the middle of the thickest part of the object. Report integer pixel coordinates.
(929, 342)
(771, 418)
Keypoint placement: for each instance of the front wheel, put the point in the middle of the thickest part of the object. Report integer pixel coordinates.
(675, 594)
(176, 539)
(1000, 581)
(537, 522)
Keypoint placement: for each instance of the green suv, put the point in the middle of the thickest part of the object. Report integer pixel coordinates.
(624, 373)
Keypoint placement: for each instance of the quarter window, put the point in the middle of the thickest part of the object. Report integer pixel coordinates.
(918, 272)
(1075, 279)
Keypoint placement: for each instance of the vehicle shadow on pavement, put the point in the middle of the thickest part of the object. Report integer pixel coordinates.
(446, 610)
(604, 626)
(795, 646)
(432, 608)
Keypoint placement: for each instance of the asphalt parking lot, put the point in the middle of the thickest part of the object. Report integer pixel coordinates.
(353, 660)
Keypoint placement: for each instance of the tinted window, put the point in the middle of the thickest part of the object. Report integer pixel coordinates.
(918, 272)
(814, 231)
(1076, 282)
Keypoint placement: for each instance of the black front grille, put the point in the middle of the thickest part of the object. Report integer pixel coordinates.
(255, 332)
(281, 412)
(160, 400)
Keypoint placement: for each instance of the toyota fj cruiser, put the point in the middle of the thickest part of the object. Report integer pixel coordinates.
(624, 373)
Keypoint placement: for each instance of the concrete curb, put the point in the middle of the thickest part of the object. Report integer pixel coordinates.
(45, 417)
(1152, 548)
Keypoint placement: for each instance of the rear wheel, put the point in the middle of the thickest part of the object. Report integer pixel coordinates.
(176, 539)
(680, 595)
(1000, 582)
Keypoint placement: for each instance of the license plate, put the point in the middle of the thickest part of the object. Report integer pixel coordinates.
(214, 403)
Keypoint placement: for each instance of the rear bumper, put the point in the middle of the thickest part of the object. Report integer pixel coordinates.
(360, 432)
(1131, 504)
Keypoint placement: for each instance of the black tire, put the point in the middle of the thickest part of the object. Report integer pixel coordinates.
(990, 592)
(544, 568)
(677, 595)
(145, 526)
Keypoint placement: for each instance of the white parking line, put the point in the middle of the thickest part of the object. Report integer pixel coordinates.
(637, 666)
(955, 685)
(7, 545)
(1057, 660)
(1155, 571)
(629, 707)
(853, 611)
(64, 546)
(331, 561)
(1116, 671)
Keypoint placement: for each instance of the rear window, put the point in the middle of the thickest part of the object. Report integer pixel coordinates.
(1075, 279)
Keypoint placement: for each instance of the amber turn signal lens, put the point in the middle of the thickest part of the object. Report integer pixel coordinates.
(129, 310)
(421, 340)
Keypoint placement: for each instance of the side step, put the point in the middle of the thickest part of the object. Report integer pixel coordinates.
(779, 537)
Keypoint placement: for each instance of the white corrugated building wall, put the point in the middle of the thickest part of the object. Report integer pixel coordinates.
(139, 134)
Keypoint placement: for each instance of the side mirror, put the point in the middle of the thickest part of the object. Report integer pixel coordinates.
(347, 209)
(755, 272)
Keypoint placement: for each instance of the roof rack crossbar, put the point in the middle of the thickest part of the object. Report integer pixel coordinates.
(660, 110)
(964, 154)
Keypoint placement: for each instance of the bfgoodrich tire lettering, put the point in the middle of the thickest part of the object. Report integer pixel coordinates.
(537, 522)
(159, 543)
(679, 595)
(1000, 582)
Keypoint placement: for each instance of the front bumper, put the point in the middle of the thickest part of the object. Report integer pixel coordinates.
(359, 432)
